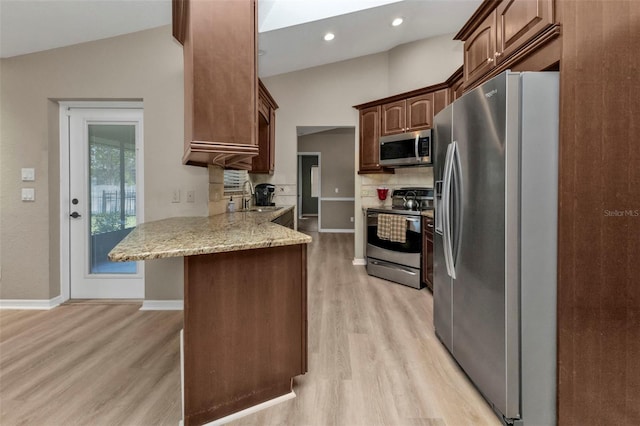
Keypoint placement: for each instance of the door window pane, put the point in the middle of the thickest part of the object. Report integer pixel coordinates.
(112, 193)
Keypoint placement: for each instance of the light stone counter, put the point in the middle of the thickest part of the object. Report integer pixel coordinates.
(427, 213)
(188, 236)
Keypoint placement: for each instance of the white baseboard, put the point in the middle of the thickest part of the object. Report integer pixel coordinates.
(358, 261)
(162, 305)
(42, 304)
(250, 410)
(333, 231)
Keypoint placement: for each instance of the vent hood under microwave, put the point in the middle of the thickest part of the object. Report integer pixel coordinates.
(406, 149)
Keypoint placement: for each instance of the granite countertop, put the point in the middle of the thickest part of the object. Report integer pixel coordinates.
(427, 213)
(188, 236)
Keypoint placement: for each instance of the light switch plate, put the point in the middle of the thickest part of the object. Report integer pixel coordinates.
(28, 174)
(28, 194)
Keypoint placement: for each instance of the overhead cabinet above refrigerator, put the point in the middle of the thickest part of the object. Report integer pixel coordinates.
(496, 167)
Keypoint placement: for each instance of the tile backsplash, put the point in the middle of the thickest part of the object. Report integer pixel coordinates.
(410, 176)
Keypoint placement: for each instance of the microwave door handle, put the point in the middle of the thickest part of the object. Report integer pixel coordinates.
(417, 143)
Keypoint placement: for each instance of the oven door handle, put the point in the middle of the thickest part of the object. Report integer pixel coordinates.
(393, 266)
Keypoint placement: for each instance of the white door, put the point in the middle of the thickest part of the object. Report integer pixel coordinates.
(105, 201)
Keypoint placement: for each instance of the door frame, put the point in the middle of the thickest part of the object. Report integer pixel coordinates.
(299, 183)
(65, 136)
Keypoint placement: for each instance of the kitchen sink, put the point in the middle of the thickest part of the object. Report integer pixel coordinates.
(261, 209)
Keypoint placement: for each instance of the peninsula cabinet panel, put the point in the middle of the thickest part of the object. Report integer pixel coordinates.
(518, 22)
(245, 329)
(419, 112)
(480, 49)
(393, 118)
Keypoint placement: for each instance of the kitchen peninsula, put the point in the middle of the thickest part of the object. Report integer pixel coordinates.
(245, 306)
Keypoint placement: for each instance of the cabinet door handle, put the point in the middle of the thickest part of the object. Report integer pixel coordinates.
(489, 60)
(498, 54)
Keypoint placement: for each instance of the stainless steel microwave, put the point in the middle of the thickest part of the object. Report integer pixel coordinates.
(406, 149)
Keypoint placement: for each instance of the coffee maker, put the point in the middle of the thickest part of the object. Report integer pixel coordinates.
(264, 194)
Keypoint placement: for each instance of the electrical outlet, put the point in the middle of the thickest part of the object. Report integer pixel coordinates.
(175, 197)
(337, 190)
(365, 193)
(191, 196)
(351, 219)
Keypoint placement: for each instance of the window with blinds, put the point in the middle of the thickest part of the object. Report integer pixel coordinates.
(233, 180)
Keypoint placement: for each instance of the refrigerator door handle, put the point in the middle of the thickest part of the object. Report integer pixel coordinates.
(446, 210)
(456, 171)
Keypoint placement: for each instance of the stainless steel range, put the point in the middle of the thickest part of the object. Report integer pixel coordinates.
(398, 259)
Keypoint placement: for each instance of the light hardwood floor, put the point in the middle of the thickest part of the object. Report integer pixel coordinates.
(373, 359)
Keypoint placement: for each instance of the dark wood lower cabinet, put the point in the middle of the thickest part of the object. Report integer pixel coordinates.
(245, 329)
(427, 252)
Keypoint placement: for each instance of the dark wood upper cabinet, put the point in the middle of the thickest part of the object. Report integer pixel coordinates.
(407, 115)
(406, 112)
(518, 21)
(441, 99)
(265, 162)
(393, 118)
(221, 84)
(454, 85)
(505, 34)
(480, 49)
(370, 140)
(419, 112)
(179, 21)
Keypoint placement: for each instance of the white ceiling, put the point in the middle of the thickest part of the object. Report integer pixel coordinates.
(291, 31)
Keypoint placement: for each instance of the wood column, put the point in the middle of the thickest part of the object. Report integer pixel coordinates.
(599, 214)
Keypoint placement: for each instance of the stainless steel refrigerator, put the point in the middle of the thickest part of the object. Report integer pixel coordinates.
(496, 168)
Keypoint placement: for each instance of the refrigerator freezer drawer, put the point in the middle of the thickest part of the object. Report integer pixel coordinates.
(393, 272)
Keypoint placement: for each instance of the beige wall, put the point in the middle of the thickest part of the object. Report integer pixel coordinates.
(423, 62)
(145, 65)
(325, 95)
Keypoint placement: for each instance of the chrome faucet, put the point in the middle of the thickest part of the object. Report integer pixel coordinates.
(247, 201)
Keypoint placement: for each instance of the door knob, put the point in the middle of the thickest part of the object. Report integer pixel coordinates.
(75, 215)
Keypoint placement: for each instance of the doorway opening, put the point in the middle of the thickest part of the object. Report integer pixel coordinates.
(308, 191)
(328, 183)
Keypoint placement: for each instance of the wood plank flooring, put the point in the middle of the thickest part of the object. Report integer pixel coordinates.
(373, 359)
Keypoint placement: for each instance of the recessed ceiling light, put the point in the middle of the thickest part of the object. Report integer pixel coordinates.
(329, 36)
(261, 52)
(397, 21)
